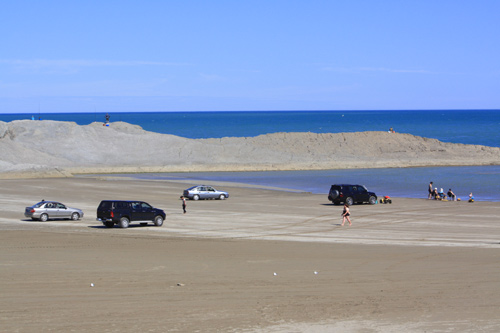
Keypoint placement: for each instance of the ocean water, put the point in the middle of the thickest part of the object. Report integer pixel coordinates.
(458, 126)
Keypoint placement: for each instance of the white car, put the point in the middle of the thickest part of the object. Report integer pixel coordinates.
(204, 192)
(45, 210)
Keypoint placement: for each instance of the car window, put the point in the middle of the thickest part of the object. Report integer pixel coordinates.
(145, 206)
(210, 189)
(104, 205)
(121, 204)
(40, 204)
(60, 205)
(201, 188)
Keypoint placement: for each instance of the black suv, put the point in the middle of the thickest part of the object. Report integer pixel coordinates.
(349, 194)
(111, 212)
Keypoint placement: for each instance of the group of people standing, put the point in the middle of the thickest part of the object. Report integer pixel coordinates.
(440, 195)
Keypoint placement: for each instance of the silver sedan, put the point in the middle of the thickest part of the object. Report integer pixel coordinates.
(45, 210)
(204, 192)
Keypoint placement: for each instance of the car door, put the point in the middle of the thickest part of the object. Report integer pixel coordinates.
(62, 211)
(211, 193)
(51, 209)
(202, 192)
(147, 212)
(136, 211)
(362, 194)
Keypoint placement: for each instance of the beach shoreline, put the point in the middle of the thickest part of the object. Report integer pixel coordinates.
(414, 265)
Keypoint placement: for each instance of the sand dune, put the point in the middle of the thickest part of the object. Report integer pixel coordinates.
(53, 148)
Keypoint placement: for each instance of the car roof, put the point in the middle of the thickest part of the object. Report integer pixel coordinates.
(122, 201)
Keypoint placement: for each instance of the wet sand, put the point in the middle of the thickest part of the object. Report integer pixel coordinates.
(415, 265)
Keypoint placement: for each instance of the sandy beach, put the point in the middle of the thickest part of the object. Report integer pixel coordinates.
(261, 261)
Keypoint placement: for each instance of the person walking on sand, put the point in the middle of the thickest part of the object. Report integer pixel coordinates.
(345, 215)
(183, 198)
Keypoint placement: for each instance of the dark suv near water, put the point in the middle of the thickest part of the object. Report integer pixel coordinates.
(111, 212)
(349, 194)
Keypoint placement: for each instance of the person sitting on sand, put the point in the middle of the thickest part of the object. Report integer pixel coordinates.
(345, 215)
(442, 196)
(471, 197)
(435, 194)
(451, 195)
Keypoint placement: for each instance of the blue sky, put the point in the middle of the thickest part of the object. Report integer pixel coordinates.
(116, 56)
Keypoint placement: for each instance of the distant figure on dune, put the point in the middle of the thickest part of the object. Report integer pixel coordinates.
(107, 120)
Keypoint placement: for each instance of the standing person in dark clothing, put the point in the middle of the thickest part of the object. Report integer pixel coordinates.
(183, 198)
(430, 190)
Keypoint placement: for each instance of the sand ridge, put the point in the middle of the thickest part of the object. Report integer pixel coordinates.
(55, 148)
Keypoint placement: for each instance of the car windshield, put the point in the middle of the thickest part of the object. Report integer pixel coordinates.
(40, 204)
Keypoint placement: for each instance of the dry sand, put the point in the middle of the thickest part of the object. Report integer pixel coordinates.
(415, 265)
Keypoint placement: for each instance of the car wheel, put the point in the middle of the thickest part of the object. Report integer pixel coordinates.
(124, 222)
(222, 197)
(109, 224)
(334, 195)
(44, 217)
(158, 221)
(349, 201)
(196, 197)
(75, 216)
(372, 200)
